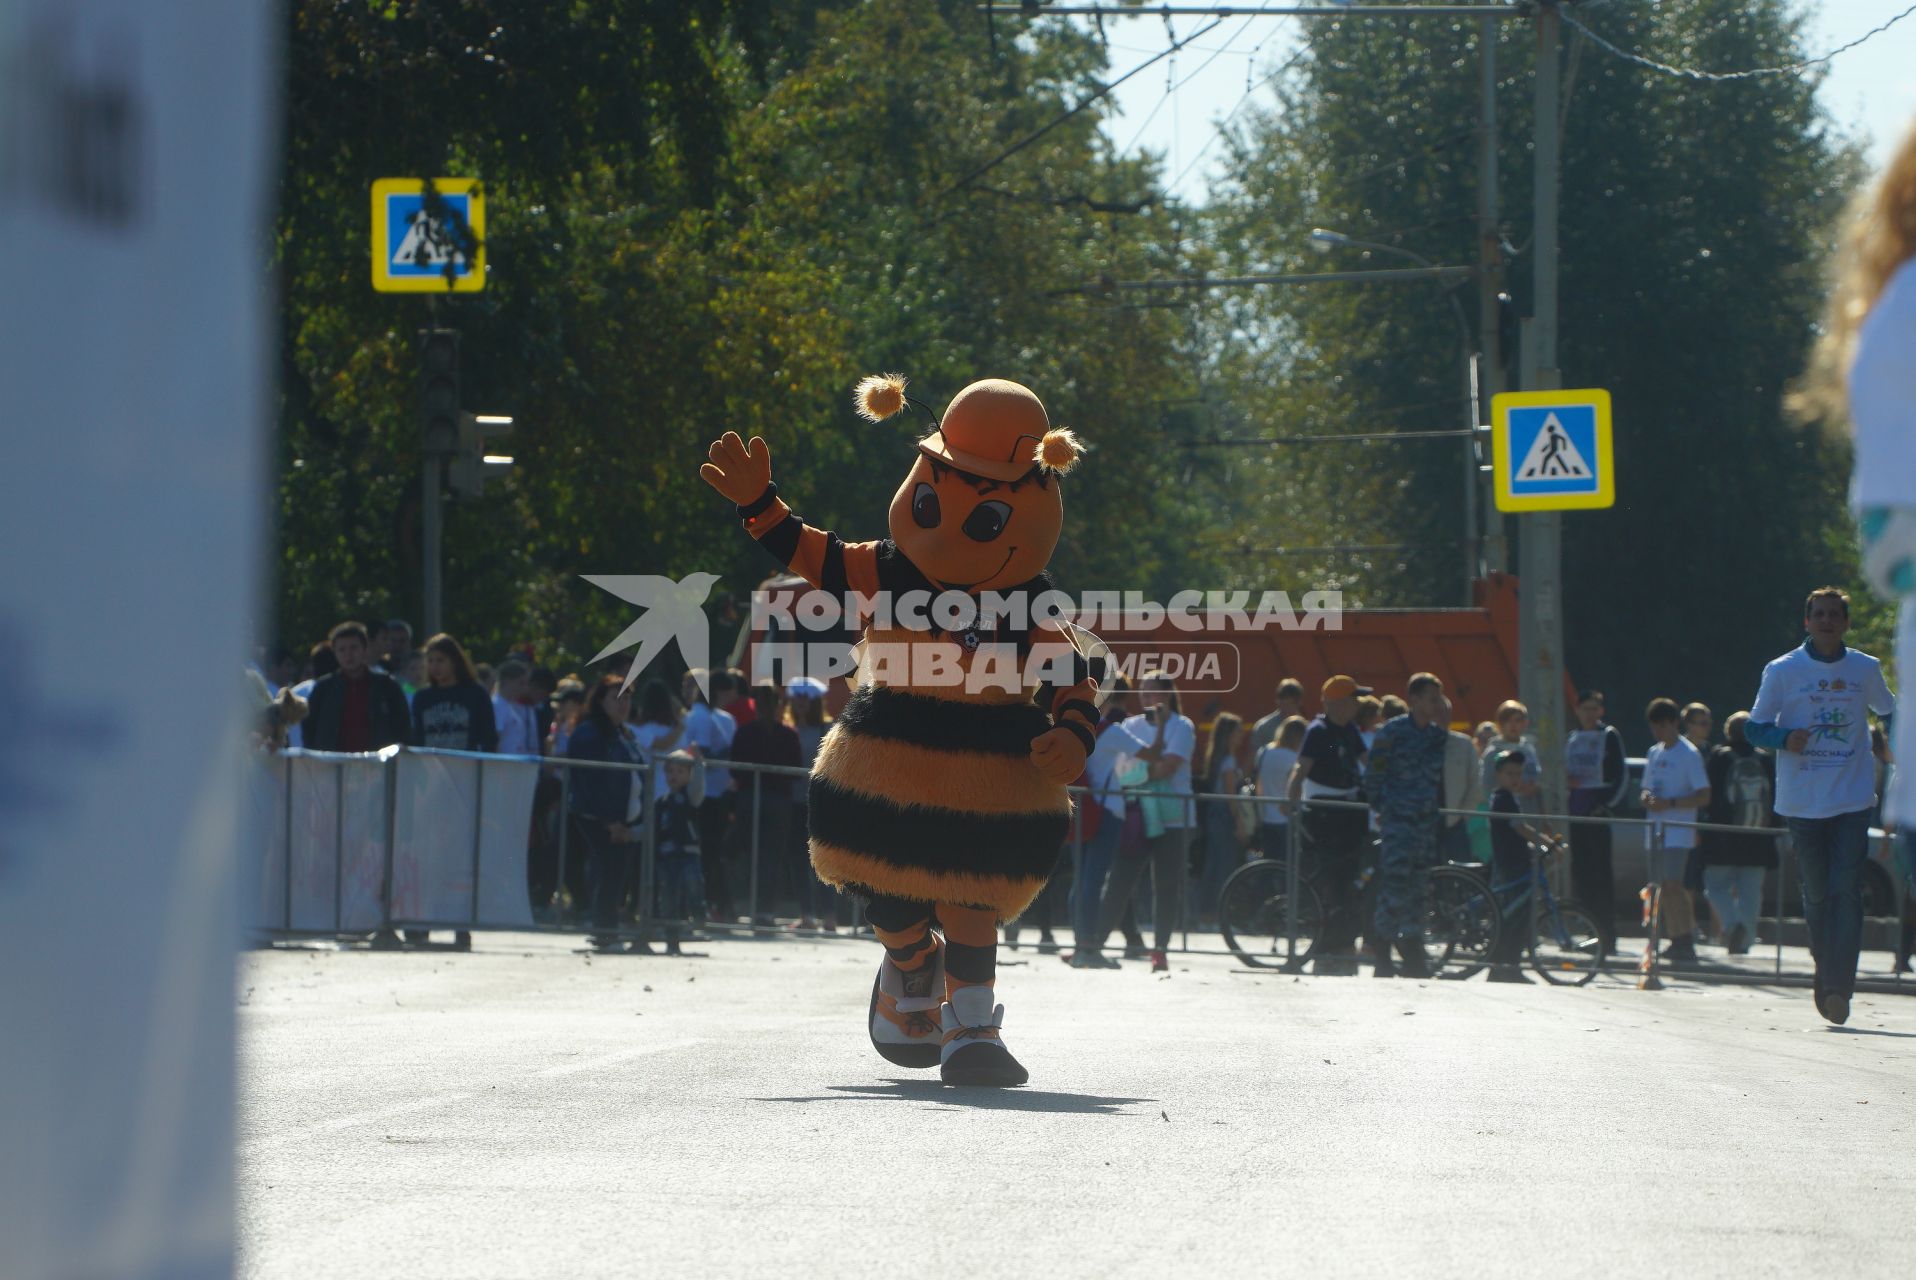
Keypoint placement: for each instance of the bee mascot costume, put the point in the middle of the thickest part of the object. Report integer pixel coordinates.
(939, 799)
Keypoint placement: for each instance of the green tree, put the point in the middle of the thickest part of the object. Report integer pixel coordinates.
(1693, 228)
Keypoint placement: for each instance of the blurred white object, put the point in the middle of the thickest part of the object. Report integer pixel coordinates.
(135, 219)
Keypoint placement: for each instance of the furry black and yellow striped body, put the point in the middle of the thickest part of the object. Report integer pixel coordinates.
(925, 788)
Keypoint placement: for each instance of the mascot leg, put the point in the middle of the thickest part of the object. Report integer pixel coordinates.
(974, 1053)
(910, 987)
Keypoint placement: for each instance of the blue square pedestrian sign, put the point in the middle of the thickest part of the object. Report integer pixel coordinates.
(436, 249)
(1551, 450)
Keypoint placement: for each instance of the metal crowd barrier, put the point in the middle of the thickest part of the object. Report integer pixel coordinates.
(382, 844)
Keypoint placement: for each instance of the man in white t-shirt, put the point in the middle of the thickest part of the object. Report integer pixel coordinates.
(1173, 738)
(1813, 710)
(1675, 786)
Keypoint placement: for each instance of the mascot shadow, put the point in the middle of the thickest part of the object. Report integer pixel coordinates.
(945, 1097)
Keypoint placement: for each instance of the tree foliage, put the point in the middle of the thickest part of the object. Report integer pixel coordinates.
(1694, 220)
(701, 217)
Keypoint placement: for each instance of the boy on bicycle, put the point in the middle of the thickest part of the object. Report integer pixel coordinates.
(1510, 841)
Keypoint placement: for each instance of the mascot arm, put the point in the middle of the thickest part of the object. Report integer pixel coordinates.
(1059, 752)
(743, 473)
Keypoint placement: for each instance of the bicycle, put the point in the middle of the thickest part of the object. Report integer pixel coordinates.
(1564, 946)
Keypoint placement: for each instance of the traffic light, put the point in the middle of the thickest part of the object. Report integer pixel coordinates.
(471, 464)
(439, 390)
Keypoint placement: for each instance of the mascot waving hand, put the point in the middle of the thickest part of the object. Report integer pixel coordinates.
(938, 797)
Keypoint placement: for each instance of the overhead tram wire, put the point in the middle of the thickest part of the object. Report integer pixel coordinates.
(1090, 100)
(1692, 73)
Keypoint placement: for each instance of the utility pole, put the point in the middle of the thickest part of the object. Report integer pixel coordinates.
(439, 440)
(1490, 277)
(1541, 592)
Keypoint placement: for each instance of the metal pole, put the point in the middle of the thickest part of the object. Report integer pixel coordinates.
(1077, 865)
(383, 937)
(757, 790)
(1471, 479)
(648, 849)
(432, 520)
(565, 826)
(288, 886)
(1490, 270)
(1290, 884)
(1783, 851)
(478, 828)
(1541, 597)
(339, 844)
(1653, 855)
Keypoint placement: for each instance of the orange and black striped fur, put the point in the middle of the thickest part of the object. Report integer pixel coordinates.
(926, 791)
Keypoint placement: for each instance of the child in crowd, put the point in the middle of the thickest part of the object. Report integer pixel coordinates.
(680, 889)
(1510, 842)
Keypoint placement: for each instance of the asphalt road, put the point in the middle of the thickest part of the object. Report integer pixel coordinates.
(527, 1111)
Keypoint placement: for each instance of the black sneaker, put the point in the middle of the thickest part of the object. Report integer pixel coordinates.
(1739, 940)
(1416, 962)
(1835, 1007)
(1510, 973)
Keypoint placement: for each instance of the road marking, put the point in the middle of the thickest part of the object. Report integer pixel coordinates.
(591, 1064)
(348, 1122)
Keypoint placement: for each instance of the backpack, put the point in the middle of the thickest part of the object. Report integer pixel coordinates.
(1749, 792)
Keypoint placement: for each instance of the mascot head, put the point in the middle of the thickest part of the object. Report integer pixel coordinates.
(981, 507)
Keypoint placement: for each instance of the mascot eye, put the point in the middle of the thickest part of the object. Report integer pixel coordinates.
(924, 506)
(987, 521)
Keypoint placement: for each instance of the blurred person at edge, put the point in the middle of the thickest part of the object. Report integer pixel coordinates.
(452, 713)
(355, 708)
(1290, 705)
(606, 804)
(1463, 791)
(1217, 776)
(512, 710)
(1861, 371)
(1598, 775)
(712, 730)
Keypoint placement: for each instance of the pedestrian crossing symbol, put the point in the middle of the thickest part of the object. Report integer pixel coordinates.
(429, 239)
(1552, 450)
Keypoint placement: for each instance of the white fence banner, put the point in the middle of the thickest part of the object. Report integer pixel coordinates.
(460, 823)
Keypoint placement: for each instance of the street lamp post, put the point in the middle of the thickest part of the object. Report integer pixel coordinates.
(1324, 241)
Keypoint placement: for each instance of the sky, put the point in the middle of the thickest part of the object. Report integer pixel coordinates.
(1870, 90)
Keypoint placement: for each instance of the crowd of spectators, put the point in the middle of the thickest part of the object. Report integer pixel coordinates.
(365, 689)
(732, 843)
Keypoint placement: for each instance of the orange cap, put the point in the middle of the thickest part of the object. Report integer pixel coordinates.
(1343, 687)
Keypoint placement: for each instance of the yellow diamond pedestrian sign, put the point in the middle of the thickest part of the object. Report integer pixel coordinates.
(429, 240)
(1551, 450)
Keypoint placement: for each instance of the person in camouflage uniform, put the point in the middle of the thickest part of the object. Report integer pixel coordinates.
(1405, 784)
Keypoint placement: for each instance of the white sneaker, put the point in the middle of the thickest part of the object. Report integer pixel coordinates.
(904, 1010)
(973, 1053)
